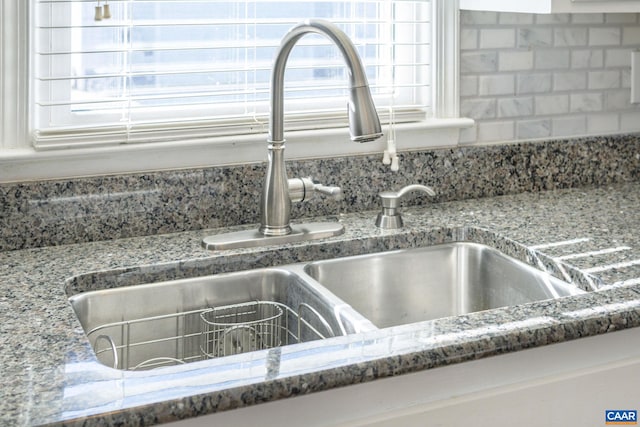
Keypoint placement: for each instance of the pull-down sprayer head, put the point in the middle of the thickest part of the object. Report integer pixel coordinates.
(364, 124)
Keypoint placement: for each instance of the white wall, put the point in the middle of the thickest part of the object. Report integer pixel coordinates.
(527, 76)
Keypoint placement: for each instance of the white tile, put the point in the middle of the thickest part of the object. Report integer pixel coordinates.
(630, 122)
(626, 78)
(535, 36)
(532, 129)
(468, 135)
(571, 80)
(478, 18)
(515, 61)
(569, 36)
(478, 62)
(468, 38)
(534, 83)
(617, 100)
(468, 86)
(515, 18)
(478, 108)
(500, 84)
(621, 18)
(588, 58)
(605, 36)
(515, 107)
(586, 102)
(631, 36)
(587, 18)
(554, 18)
(497, 38)
(569, 126)
(617, 58)
(604, 79)
(551, 104)
(496, 131)
(602, 123)
(552, 59)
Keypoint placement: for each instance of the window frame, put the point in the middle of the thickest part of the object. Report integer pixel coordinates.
(19, 161)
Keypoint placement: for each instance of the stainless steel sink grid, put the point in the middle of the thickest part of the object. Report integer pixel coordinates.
(148, 342)
(256, 325)
(413, 285)
(244, 327)
(201, 334)
(168, 323)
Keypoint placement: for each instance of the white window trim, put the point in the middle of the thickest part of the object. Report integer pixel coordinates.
(13, 74)
(20, 162)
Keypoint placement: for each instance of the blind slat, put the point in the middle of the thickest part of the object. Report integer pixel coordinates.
(233, 68)
(208, 46)
(262, 91)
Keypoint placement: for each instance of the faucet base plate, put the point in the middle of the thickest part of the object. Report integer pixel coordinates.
(253, 238)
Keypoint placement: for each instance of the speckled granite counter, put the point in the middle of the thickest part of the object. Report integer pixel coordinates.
(50, 375)
(77, 210)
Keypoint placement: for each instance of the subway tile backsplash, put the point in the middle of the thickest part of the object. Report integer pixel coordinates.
(528, 76)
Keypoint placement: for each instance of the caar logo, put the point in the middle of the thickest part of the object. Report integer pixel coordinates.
(620, 417)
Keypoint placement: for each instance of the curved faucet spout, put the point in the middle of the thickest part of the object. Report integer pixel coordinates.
(363, 119)
(364, 124)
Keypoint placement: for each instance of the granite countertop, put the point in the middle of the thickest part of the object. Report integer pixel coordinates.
(51, 376)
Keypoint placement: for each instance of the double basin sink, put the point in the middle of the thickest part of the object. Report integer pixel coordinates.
(167, 323)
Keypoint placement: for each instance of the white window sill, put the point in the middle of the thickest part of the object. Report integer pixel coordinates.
(28, 164)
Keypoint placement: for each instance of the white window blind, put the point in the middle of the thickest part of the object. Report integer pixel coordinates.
(161, 70)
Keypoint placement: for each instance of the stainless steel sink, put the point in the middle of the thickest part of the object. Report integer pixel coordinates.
(413, 285)
(161, 324)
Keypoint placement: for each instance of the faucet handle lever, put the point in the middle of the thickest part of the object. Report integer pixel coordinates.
(300, 189)
(327, 190)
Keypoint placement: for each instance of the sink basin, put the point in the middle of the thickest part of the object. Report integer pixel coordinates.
(406, 286)
(166, 323)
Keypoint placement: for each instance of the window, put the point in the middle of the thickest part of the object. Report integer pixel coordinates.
(158, 66)
(173, 71)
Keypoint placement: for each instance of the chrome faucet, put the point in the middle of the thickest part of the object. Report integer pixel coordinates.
(277, 194)
(364, 124)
